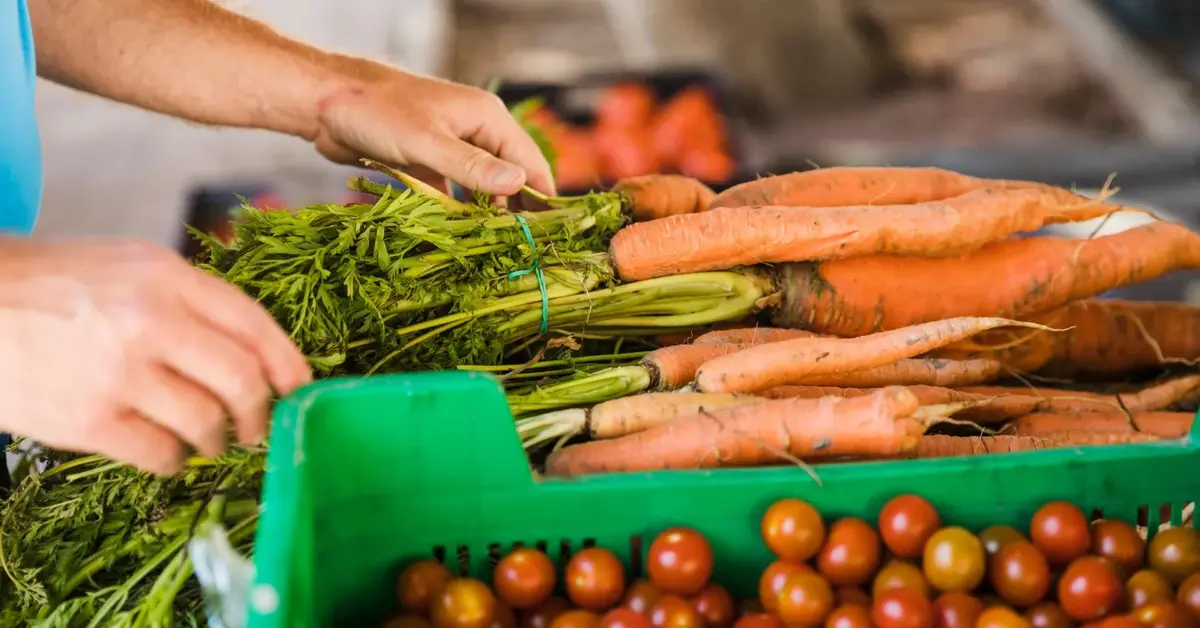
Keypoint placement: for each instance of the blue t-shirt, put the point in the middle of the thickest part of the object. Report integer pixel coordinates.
(20, 148)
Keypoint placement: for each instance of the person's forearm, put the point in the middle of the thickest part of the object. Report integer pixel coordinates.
(190, 59)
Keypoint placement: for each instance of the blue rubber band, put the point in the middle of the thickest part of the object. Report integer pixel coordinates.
(536, 269)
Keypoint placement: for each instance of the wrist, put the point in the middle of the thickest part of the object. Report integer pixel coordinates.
(339, 79)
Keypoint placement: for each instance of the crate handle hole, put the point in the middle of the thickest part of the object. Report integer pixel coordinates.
(1097, 514)
(1143, 515)
(635, 556)
(464, 561)
(439, 553)
(493, 555)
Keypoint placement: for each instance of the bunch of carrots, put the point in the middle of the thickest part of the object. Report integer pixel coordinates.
(634, 134)
(908, 319)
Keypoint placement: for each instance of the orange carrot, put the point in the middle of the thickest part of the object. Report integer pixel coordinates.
(854, 297)
(751, 335)
(623, 416)
(769, 432)
(737, 236)
(981, 409)
(954, 446)
(1155, 397)
(848, 185)
(794, 361)
(1103, 338)
(922, 371)
(1118, 337)
(684, 337)
(656, 195)
(1160, 424)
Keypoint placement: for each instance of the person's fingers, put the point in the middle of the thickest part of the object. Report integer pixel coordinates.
(500, 134)
(133, 439)
(181, 406)
(223, 367)
(468, 165)
(238, 316)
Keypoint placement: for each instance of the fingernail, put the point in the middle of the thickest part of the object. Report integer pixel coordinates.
(507, 177)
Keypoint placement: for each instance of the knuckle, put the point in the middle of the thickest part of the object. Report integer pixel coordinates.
(476, 163)
(494, 101)
(248, 388)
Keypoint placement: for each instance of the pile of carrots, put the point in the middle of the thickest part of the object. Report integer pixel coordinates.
(908, 321)
(633, 134)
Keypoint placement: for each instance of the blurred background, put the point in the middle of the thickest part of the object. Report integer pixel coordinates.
(1062, 91)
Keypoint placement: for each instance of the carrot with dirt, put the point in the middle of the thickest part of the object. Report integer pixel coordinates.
(657, 195)
(1155, 397)
(796, 361)
(940, 446)
(888, 422)
(751, 335)
(663, 369)
(684, 337)
(675, 366)
(1106, 338)
(729, 237)
(849, 185)
(1011, 278)
(1167, 425)
(1112, 337)
(623, 416)
(915, 372)
(980, 409)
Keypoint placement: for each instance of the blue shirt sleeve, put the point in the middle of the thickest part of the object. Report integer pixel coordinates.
(20, 147)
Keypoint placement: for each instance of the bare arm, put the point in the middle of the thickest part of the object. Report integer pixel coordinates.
(191, 59)
(194, 60)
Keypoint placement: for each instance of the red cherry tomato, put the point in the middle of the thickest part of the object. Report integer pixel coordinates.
(806, 599)
(680, 561)
(849, 616)
(503, 617)
(1089, 589)
(1119, 542)
(793, 530)
(758, 620)
(772, 580)
(1020, 574)
(1061, 531)
(419, 582)
(623, 618)
(1001, 617)
(956, 610)
(714, 605)
(595, 579)
(542, 615)
(850, 554)
(906, 523)
(576, 619)
(641, 596)
(463, 603)
(902, 608)
(524, 578)
(672, 611)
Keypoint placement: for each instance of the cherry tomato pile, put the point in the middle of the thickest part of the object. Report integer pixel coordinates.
(909, 570)
(633, 134)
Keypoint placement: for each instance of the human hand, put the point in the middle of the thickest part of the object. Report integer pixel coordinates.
(124, 349)
(419, 123)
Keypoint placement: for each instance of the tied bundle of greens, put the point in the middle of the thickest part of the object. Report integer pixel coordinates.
(421, 281)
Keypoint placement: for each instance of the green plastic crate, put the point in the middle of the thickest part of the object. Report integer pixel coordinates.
(367, 475)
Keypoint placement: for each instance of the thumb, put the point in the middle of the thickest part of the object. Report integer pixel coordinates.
(469, 166)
